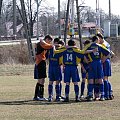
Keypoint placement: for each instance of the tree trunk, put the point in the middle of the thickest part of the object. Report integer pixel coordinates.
(31, 28)
(79, 27)
(66, 21)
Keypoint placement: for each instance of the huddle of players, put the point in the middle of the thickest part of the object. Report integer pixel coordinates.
(95, 66)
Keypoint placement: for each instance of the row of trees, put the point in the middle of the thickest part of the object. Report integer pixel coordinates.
(47, 16)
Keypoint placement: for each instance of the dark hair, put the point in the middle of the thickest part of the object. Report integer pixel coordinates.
(71, 43)
(56, 40)
(61, 42)
(94, 38)
(48, 37)
(100, 35)
(86, 42)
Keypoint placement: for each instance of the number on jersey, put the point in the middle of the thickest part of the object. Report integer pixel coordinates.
(69, 57)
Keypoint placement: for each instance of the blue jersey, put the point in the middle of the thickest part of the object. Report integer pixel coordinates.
(52, 58)
(54, 71)
(95, 65)
(69, 58)
(96, 55)
(70, 55)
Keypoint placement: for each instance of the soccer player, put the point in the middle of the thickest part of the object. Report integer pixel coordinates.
(84, 72)
(55, 73)
(61, 42)
(40, 66)
(106, 69)
(95, 67)
(70, 55)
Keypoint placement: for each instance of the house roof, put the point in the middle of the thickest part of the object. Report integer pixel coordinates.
(89, 25)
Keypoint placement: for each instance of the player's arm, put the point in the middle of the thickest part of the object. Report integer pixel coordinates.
(46, 45)
(86, 51)
(59, 53)
(90, 51)
(105, 57)
(85, 59)
(82, 67)
(112, 54)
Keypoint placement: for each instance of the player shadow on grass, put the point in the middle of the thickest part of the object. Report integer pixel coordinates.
(31, 102)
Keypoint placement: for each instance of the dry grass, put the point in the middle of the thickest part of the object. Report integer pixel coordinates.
(16, 92)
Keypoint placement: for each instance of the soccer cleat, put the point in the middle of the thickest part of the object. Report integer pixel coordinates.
(97, 99)
(89, 98)
(36, 99)
(107, 98)
(57, 100)
(50, 99)
(102, 99)
(66, 99)
(61, 97)
(82, 97)
(111, 97)
(43, 99)
(77, 99)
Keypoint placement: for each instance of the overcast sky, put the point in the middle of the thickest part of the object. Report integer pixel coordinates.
(115, 5)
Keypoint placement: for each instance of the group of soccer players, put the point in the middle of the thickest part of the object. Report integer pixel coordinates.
(95, 67)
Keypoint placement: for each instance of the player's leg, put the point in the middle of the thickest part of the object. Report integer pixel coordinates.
(57, 89)
(42, 75)
(67, 77)
(82, 88)
(90, 89)
(50, 85)
(75, 80)
(37, 84)
(100, 76)
(50, 91)
(107, 73)
(58, 78)
(96, 89)
(91, 76)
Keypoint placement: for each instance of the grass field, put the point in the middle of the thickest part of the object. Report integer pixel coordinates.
(17, 89)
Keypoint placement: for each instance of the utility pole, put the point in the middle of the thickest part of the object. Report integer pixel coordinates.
(72, 18)
(66, 21)
(37, 20)
(110, 10)
(59, 24)
(97, 13)
(0, 6)
(27, 31)
(79, 26)
(14, 19)
(38, 4)
(47, 23)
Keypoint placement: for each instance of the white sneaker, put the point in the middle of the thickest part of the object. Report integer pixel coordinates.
(82, 97)
(43, 99)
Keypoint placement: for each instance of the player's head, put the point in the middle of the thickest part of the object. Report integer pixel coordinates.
(48, 38)
(95, 39)
(86, 42)
(101, 37)
(71, 43)
(61, 42)
(56, 40)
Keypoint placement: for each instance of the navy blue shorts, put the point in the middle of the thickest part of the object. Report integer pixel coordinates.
(40, 70)
(95, 70)
(107, 68)
(54, 73)
(71, 72)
